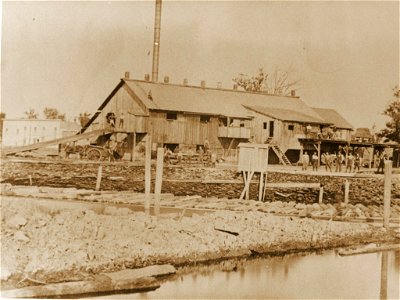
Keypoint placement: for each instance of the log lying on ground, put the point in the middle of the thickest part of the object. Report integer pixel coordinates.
(346, 252)
(131, 280)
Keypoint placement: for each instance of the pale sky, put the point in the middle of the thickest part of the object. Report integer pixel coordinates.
(70, 55)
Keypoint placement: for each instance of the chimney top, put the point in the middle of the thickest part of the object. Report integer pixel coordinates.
(219, 85)
(185, 82)
(126, 75)
(235, 87)
(203, 84)
(166, 79)
(147, 77)
(293, 93)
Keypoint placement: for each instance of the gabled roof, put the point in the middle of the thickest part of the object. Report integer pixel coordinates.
(213, 101)
(333, 117)
(287, 114)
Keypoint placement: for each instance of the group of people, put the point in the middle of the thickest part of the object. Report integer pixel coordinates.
(112, 119)
(332, 161)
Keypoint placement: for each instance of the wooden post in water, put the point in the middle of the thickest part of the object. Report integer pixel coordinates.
(384, 275)
(147, 175)
(346, 191)
(99, 174)
(158, 184)
(387, 193)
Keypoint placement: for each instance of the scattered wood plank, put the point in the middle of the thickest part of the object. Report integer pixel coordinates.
(125, 280)
(365, 250)
(307, 185)
(282, 195)
(235, 233)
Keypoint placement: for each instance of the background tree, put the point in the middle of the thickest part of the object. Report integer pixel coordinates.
(53, 114)
(392, 130)
(279, 82)
(31, 114)
(84, 118)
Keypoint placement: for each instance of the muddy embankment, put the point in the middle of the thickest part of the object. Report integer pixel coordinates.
(46, 244)
(197, 181)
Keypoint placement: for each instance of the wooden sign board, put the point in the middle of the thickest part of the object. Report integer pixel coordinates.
(253, 157)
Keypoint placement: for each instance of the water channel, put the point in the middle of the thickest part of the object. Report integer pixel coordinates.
(297, 276)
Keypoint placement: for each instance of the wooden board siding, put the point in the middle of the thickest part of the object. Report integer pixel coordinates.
(135, 119)
(187, 129)
(282, 136)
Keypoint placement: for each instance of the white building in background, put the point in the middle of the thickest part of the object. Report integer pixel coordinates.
(20, 132)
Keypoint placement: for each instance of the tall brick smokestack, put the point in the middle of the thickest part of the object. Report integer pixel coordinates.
(156, 46)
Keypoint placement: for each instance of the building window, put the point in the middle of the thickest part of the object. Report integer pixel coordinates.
(291, 127)
(17, 130)
(265, 125)
(55, 128)
(44, 129)
(34, 129)
(271, 128)
(25, 128)
(223, 122)
(172, 116)
(204, 119)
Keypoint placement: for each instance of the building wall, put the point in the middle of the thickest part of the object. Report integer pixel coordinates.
(187, 129)
(285, 134)
(19, 132)
(135, 116)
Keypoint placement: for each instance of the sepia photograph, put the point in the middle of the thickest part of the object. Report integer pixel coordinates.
(204, 149)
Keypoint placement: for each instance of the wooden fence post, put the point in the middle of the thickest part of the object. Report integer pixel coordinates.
(321, 194)
(260, 187)
(346, 191)
(158, 184)
(147, 175)
(99, 174)
(387, 193)
(133, 150)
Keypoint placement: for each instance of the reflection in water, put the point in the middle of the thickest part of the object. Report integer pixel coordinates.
(326, 275)
(384, 274)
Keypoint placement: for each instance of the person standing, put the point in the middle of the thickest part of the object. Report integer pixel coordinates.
(381, 165)
(305, 161)
(121, 120)
(357, 163)
(350, 163)
(314, 161)
(339, 162)
(328, 162)
(206, 146)
(201, 154)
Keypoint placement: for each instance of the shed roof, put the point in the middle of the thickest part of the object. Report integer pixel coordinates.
(362, 133)
(215, 101)
(287, 114)
(333, 117)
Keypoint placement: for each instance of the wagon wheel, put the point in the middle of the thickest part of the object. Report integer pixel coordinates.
(94, 154)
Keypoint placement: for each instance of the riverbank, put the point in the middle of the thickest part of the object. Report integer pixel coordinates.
(50, 244)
